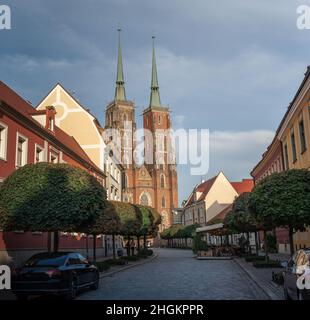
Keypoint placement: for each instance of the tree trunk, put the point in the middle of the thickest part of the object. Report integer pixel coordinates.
(291, 233)
(105, 246)
(144, 241)
(265, 245)
(56, 241)
(248, 242)
(87, 254)
(113, 243)
(49, 242)
(94, 248)
(186, 243)
(138, 243)
(256, 243)
(128, 246)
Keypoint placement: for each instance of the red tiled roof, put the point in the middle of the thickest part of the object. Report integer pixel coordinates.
(246, 185)
(220, 216)
(203, 188)
(16, 102)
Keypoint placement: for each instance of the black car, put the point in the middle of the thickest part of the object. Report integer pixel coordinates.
(295, 268)
(61, 273)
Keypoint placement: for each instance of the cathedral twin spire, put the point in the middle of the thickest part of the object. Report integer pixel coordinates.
(120, 94)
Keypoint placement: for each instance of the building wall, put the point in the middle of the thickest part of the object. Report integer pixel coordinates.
(76, 121)
(272, 162)
(221, 192)
(300, 110)
(17, 246)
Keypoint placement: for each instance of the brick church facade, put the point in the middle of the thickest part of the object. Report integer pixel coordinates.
(155, 181)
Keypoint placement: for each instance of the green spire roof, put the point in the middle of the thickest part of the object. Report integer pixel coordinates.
(154, 98)
(120, 94)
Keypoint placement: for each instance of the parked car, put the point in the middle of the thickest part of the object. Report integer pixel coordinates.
(295, 267)
(61, 273)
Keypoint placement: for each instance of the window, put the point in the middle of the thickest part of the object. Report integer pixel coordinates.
(293, 147)
(163, 202)
(21, 150)
(39, 154)
(286, 156)
(3, 140)
(159, 119)
(302, 136)
(144, 200)
(54, 157)
(162, 181)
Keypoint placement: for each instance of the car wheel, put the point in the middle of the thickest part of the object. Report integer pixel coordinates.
(95, 284)
(72, 290)
(285, 293)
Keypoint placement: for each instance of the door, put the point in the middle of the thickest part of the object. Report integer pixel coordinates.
(75, 265)
(87, 270)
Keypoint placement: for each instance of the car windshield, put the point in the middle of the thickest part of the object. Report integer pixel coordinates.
(46, 261)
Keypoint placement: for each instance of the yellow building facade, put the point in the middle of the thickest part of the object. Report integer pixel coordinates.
(78, 122)
(294, 134)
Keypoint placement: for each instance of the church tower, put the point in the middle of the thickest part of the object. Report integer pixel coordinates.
(120, 115)
(159, 153)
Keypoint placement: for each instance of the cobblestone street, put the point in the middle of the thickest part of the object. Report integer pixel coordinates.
(175, 274)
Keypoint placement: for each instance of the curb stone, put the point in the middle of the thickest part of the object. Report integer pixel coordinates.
(266, 290)
(111, 273)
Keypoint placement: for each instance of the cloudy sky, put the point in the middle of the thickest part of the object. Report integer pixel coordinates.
(229, 66)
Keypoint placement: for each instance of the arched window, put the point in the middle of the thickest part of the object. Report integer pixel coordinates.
(125, 117)
(163, 202)
(162, 181)
(144, 200)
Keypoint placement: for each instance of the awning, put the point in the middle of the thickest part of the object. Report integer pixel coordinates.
(209, 228)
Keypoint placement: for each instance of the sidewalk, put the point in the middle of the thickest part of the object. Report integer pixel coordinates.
(263, 278)
(115, 269)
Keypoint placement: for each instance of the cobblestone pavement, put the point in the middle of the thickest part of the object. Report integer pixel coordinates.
(175, 274)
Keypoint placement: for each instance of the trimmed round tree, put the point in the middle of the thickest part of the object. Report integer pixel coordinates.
(108, 222)
(146, 223)
(130, 219)
(283, 200)
(240, 219)
(50, 198)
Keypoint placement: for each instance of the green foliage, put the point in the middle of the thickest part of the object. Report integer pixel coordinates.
(149, 220)
(178, 231)
(145, 253)
(271, 243)
(283, 199)
(199, 244)
(131, 258)
(171, 232)
(50, 197)
(252, 258)
(108, 222)
(267, 264)
(107, 264)
(130, 217)
(240, 219)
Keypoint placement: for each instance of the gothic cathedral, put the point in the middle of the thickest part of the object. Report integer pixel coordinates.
(155, 182)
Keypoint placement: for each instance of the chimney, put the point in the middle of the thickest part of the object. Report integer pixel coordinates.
(50, 118)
